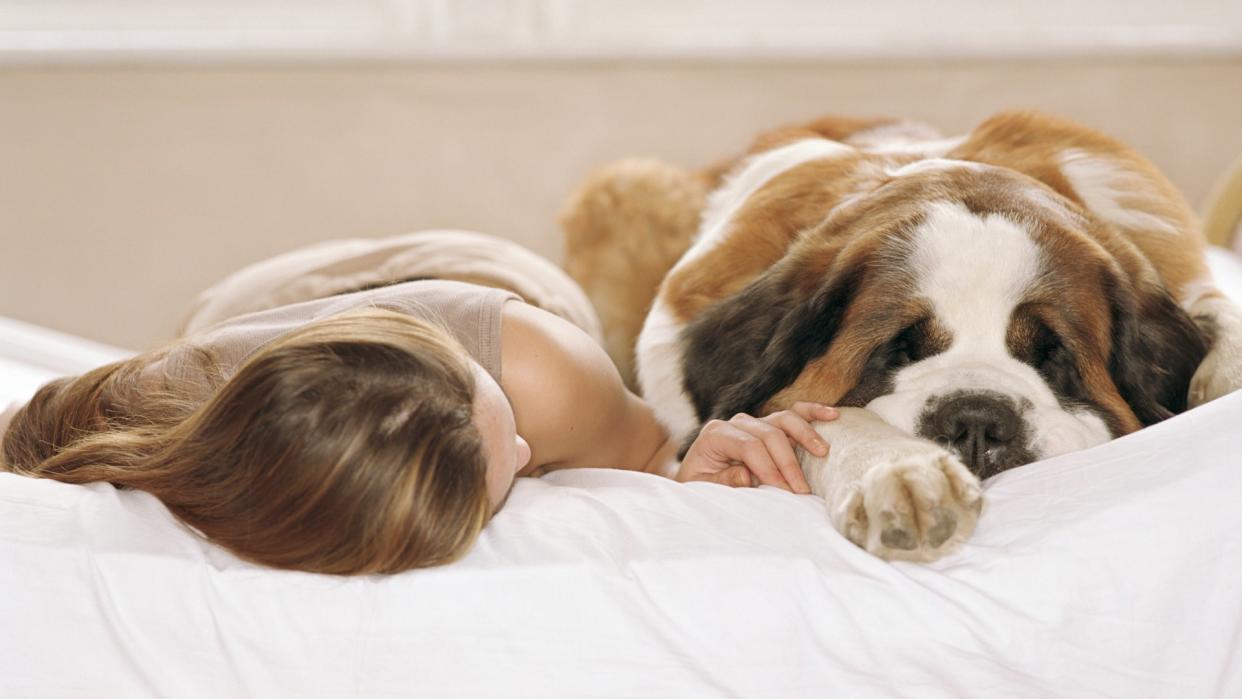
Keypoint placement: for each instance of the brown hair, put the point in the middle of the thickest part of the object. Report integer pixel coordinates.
(346, 446)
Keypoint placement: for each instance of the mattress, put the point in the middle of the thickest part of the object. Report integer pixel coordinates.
(1114, 571)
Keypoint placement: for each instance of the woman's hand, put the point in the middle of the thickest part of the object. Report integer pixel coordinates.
(747, 450)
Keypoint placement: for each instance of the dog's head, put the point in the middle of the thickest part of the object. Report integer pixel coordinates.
(964, 303)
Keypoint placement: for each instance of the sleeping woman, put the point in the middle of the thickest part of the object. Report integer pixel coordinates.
(377, 430)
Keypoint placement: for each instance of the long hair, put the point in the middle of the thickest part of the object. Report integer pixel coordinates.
(346, 446)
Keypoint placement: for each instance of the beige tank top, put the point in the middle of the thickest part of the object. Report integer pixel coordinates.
(471, 313)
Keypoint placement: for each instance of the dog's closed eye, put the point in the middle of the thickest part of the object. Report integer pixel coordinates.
(914, 343)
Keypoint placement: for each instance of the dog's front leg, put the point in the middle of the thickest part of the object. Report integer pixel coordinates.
(1221, 370)
(895, 495)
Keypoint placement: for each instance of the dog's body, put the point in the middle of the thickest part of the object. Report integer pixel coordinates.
(980, 302)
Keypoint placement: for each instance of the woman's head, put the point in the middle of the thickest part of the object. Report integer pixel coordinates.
(351, 445)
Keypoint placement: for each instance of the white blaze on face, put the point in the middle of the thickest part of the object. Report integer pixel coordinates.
(974, 271)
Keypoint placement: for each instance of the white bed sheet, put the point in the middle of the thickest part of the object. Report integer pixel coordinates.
(31, 355)
(1112, 572)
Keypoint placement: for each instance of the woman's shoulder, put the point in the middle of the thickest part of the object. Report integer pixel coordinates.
(542, 347)
(542, 353)
(554, 375)
(567, 395)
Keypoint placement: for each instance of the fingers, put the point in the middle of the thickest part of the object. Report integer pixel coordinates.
(796, 424)
(770, 455)
(746, 450)
(756, 445)
(799, 430)
(743, 440)
(737, 476)
(814, 411)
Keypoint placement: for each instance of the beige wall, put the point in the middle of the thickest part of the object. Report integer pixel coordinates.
(124, 191)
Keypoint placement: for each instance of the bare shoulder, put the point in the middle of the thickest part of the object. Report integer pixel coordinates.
(543, 352)
(568, 398)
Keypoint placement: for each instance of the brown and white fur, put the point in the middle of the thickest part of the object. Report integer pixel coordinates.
(974, 303)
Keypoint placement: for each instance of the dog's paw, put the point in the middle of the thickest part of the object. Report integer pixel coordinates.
(1219, 374)
(916, 505)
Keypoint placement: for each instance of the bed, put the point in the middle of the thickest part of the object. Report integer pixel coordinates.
(1115, 571)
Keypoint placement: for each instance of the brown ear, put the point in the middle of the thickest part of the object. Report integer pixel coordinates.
(742, 351)
(725, 342)
(1156, 348)
(745, 349)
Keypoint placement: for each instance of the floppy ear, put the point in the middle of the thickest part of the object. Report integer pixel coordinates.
(745, 349)
(727, 339)
(1156, 349)
(798, 335)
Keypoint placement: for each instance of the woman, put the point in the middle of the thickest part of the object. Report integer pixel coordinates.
(374, 430)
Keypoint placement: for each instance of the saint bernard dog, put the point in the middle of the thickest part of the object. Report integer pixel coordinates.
(973, 303)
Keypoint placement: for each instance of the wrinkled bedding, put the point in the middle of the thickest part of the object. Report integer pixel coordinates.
(1115, 571)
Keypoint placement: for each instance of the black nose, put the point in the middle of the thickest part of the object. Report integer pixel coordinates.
(979, 427)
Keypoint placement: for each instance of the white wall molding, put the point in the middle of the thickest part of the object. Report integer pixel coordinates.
(51, 31)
